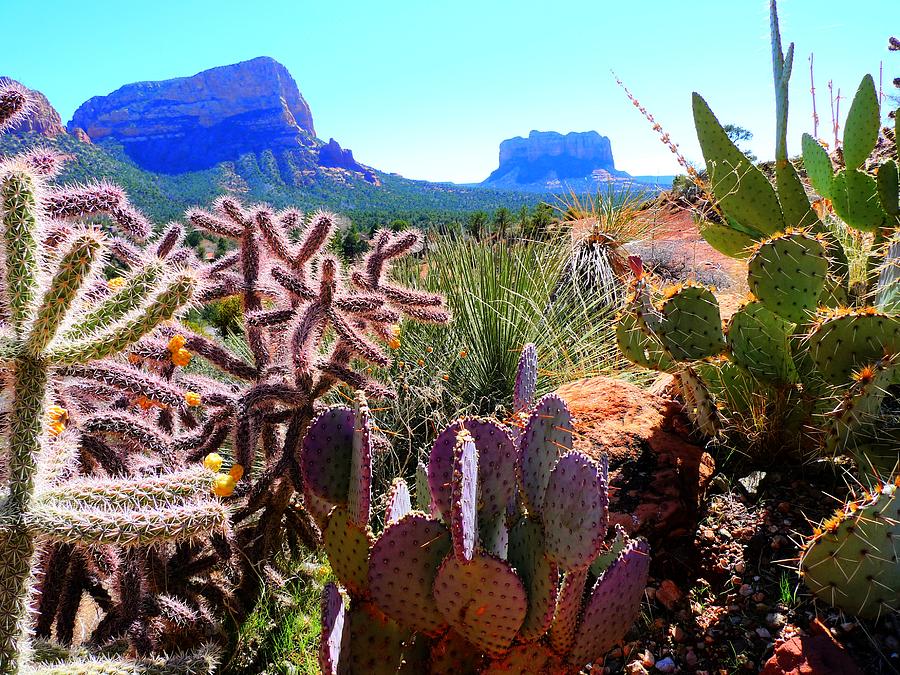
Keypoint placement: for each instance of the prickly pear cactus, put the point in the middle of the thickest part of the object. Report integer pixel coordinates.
(805, 332)
(851, 560)
(471, 584)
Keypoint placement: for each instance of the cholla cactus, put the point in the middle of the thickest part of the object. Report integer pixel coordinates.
(804, 332)
(504, 570)
(54, 324)
(13, 104)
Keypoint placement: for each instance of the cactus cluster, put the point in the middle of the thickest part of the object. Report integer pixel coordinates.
(805, 331)
(109, 496)
(54, 321)
(850, 562)
(503, 565)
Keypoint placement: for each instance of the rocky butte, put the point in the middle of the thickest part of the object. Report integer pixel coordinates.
(218, 115)
(548, 160)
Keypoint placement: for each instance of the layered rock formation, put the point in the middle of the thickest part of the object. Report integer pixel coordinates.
(548, 159)
(192, 123)
(42, 117)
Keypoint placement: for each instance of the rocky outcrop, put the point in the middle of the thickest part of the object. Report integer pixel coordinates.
(333, 155)
(42, 117)
(192, 123)
(657, 472)
(810, 655)
(548, 157)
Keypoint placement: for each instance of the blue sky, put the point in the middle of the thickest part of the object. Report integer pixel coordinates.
(428, 89)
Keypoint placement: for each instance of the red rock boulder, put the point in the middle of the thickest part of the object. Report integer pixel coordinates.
(810, 655)
(658, 472)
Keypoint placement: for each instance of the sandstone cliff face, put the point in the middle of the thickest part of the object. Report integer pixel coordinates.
(547, 157)
(42, 117)
(193, 123)
(588, 145)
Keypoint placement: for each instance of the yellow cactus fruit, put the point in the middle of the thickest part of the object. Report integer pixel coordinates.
(237, 472)
(115, 283)
(176, 343)
(429, 349)
(213, 461)
(223, 485)
(57, 413)
(192, 398)
(395, 330)
(181, 358)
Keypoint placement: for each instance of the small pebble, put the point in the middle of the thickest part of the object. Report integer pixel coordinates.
(746, 590)
(666, 665)
(763, 633)
(775, 620)
(647, 659)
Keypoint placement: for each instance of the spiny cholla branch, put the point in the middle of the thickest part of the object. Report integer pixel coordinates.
(14, 104)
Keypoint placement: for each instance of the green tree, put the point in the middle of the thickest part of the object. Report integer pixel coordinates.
(477, 222)
(502, 220)
(740, 135)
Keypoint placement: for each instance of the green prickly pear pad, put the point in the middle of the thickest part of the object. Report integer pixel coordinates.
(818, 166)
(787, 273)
(742, 190)
(759, 340)
(727, 240)
(862, 125)
(851, 560)
(854, 196)
(845, 340)
(639, 346)
(691, 327)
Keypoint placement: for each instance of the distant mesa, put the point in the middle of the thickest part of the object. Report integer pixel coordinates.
(218, 115)
(548, 160)
(42, 117)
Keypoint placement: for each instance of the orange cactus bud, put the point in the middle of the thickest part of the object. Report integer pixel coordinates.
(394, 343)
(176, 343)
(463, 353)
(223, 486)
(237, 472)
(181, 358)
(213, 461)
(192, 398)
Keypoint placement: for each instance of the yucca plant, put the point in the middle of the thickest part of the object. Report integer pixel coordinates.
(503, 295)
